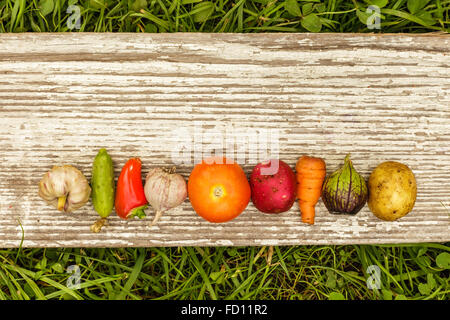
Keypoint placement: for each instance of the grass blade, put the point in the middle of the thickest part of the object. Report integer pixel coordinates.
(202, 272)
(133, 276)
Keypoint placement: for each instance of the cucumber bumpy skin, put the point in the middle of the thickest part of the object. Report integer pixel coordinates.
(102, 184)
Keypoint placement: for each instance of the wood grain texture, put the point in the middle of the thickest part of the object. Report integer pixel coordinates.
(64, 96)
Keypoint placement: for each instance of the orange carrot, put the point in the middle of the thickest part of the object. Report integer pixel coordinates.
(310, 176)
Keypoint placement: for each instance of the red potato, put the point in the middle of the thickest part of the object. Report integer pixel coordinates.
(273, 185)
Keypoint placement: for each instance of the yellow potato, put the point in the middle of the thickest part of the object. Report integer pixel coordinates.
(392, 191)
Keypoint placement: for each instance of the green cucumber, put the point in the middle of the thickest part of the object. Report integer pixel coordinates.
(102, 184)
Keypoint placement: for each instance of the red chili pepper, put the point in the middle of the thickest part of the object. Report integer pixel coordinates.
(130, 196)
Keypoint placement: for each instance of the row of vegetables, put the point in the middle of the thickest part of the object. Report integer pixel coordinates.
(219, 191)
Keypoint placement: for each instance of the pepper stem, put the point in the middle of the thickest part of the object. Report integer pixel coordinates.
(97, 226)
(61, 203)
(156, 218)
(138, 212)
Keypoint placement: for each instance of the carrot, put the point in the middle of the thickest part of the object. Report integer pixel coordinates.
(310, 176)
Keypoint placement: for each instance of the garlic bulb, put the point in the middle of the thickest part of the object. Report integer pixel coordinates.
(164, 190)
(65, 188)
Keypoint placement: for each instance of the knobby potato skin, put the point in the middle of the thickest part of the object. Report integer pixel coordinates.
(392, 191)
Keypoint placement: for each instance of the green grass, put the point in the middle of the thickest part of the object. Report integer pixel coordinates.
(414, 272)
(223, 15)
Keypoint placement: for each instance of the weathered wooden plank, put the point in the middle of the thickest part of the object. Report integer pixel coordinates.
(380, 97)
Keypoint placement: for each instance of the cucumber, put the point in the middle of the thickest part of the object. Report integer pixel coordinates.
(102, 184)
